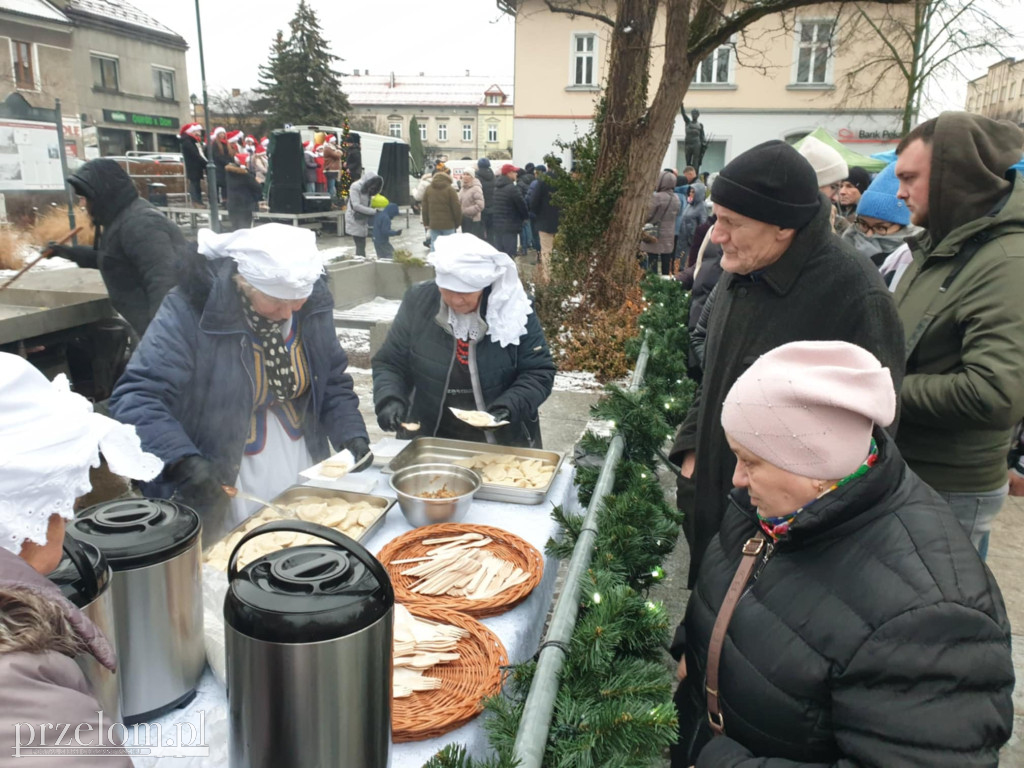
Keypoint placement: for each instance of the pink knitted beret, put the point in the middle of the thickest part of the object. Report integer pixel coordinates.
(808, 407)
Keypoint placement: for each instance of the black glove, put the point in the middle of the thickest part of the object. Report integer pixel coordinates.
(390, 415)
(398, 232)
(53, 249)
(500, 413)
(198, 485)
(359, 447)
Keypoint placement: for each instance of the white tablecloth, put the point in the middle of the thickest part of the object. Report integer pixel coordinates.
(519, 629)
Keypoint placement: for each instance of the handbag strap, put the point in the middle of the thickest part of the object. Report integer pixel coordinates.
(752, 549)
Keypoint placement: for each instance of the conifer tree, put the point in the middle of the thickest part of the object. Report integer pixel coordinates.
(298, 83)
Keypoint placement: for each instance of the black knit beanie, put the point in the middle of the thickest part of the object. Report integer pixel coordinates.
(772, 183)
(860, 178)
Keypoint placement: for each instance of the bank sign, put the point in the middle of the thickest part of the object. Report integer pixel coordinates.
(848, 135)
(139, 120)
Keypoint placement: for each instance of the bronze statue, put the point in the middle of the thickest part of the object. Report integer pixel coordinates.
(696, 142)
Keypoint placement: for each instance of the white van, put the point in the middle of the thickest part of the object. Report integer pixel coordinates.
(371, 144)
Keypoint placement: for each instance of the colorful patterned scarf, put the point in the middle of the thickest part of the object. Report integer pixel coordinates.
(777, 527)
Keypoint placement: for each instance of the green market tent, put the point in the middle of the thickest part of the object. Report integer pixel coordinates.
(852, 158)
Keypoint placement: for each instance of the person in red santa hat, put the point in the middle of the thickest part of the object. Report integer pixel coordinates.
(220, 153)
(250, 145)
(244, 192)
(259, 164)
(195, 160)
(311, 165)
(332, 164)
(321, 179)
(235, 139)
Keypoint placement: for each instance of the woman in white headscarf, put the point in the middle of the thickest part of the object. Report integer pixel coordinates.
(468, 339)
(49, 439)
(240, 380)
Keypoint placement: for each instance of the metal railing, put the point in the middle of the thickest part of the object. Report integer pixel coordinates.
(532, 737)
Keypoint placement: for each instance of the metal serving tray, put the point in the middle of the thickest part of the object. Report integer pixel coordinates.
(300, 492)
(439, 450)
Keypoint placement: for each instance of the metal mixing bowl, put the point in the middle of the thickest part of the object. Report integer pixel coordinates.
(411, 481)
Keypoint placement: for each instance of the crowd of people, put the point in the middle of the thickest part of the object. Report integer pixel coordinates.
(513, 210)
(859, 357)
(242, 166)
(855, 431)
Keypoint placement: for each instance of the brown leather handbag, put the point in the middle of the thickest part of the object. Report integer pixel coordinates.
(752, 549)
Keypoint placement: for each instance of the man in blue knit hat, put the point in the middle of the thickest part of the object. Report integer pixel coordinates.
(882, 220)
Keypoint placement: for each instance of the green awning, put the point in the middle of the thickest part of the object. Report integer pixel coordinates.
(853, 159)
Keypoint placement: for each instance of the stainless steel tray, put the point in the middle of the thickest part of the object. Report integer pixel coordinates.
(439, 450)
(300, 492)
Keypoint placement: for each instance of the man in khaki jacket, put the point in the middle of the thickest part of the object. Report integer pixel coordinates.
(960, 301)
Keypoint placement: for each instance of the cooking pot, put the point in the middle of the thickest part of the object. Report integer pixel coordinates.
(308, 634)
(153, 547)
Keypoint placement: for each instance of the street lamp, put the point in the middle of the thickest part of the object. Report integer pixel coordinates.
(211, 167)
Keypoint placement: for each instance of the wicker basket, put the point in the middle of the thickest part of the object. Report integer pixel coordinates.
(505, 545)
(465, 683)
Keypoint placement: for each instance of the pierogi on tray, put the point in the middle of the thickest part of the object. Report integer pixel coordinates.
(505, 469)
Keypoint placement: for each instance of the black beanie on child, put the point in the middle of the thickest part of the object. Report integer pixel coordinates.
(771, 182)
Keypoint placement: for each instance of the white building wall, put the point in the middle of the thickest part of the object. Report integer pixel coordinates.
(740, 130)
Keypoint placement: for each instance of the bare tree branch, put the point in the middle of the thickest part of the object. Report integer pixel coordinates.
(574, 11)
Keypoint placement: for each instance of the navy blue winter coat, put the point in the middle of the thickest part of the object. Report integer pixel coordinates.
(189, 387)
(382, 231)
(414, 366)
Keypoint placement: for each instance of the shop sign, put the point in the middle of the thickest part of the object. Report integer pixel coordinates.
(139, 120)
(72, 127)
(850, 136)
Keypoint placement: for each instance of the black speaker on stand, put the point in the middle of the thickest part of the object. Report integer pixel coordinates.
(394, 170)
(285, 179)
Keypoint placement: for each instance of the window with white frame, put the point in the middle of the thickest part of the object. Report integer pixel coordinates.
(395, 130)
(493, 99)
(423, 128)
(584, 54)
(467, 131)
(716, 69)
(442, 131)
(814, 52)
(104, 73)
(163, 83)
(23, 59)
(492, 133)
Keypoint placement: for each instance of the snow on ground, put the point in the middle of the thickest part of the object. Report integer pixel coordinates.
(336, 253)
(576, 381)
(378, 310)
(354, 341)
(28, 253)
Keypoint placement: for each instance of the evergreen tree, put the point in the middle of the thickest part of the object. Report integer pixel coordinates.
(298, 83)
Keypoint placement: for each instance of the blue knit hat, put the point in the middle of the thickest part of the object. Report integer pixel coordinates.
(880, 201)
(483, 162)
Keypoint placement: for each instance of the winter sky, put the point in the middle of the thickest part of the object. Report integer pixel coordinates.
(403, 36)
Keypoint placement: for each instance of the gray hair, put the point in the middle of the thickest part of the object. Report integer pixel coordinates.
(31, 623)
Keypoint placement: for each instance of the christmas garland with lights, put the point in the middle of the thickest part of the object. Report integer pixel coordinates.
(614, 704)
(344, 177)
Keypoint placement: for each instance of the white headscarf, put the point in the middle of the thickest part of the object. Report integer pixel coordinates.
(280, 260)
(49, 438)
(466, 264)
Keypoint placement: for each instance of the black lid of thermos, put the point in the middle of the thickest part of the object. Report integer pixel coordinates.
(309, 593)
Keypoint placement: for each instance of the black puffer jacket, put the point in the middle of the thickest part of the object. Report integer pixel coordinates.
(509, 207)
(486, 178)
(244, 192)
(415, 364)
(871, 635)
(137, 249)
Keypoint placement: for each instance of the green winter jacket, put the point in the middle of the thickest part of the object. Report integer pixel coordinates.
(964, 318)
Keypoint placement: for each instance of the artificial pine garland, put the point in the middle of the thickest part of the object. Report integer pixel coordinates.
(614, 704)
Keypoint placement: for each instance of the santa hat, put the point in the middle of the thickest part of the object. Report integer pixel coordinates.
(333, 139)
(191, 129)
(220, 130)
(250, 139)
(242, 159)
(265, 142)
(235, 137)
(260, 149)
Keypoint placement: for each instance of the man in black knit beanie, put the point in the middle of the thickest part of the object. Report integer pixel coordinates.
(786, 278)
